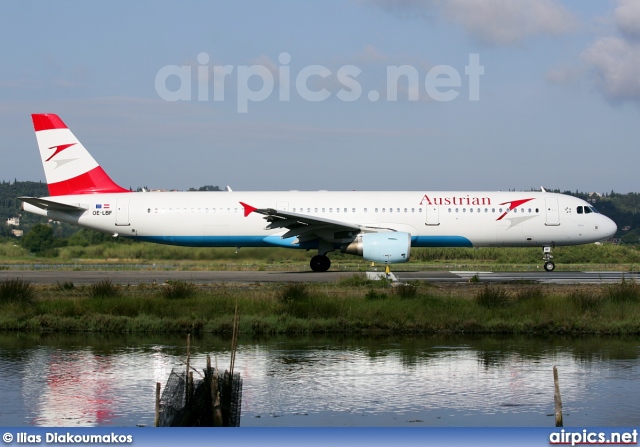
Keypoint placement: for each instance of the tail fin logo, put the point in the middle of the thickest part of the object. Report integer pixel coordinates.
(59, 149)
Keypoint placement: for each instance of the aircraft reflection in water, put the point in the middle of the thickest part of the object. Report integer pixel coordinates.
(85, 380)
(377, 225)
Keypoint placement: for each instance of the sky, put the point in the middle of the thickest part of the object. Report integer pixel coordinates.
(330, 95)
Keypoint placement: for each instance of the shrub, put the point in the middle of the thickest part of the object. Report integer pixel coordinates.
(16, 290)
(585, 300)
(174, 290)
(625, 291)
(65, 286)
(492, 297)
(104, 289)
(292, 293)
(374, 295)
(405, 291)
(530, 293)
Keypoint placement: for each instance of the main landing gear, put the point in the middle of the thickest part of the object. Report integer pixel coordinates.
(549, 266)
(320, 263)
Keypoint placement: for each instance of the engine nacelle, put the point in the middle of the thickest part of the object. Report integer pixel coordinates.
(387, 248)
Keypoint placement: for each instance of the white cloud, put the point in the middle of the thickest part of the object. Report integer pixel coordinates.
(494, 22)
(616, 64)
(627, 18)
(615, 59)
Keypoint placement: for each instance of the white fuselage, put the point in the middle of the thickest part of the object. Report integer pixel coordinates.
(433, 219)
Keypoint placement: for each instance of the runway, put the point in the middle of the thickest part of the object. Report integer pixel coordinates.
(134, 277)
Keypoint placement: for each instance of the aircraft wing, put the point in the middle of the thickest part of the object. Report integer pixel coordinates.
(304, 227)
(51, 205)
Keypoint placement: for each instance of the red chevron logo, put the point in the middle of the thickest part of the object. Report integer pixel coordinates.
(59, 149)
(512, 205)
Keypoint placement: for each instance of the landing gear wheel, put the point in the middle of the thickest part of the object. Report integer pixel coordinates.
(320, 263)
(549, 266)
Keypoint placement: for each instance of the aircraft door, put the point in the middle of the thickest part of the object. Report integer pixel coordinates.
(433, 215)
(122, 212)
(553, 214)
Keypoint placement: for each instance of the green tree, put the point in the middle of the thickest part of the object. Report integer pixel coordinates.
(39, 239)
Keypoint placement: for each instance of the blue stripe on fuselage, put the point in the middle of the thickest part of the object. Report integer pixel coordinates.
(276, 241)
(227, 241)
(440, 241)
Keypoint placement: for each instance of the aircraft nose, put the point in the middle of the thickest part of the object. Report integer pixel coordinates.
(609, 227)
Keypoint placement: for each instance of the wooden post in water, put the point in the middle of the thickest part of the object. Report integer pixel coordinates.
(215, 395)
(156, 422)
(190, 386)
(556, 398)
(187, 396)
(234, 344)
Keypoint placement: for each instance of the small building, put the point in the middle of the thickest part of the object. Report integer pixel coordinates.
(17, 233)
(14, 221)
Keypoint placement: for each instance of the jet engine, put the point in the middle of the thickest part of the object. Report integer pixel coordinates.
(386, 248)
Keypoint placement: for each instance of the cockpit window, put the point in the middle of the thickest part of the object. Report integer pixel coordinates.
(586, 210)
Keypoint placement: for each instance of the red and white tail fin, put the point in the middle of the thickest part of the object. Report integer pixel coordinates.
(68, 166)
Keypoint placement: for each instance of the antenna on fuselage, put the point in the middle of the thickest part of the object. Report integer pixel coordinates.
(542, 189)
(228, 188)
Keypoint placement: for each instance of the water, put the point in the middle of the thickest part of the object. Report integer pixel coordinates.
(109, 380)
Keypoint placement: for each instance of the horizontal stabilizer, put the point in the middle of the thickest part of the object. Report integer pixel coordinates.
(51, 205)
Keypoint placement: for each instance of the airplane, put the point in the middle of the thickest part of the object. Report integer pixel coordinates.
(380, 226)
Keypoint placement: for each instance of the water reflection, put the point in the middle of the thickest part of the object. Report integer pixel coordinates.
(69, 380)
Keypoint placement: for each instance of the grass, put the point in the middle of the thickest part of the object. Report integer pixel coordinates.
(325, 308)
(104, 289)
(16, 290)
(156, 256)
(178, 290)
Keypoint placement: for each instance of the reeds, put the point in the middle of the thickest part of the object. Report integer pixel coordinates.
(16, 290)
(307, 308)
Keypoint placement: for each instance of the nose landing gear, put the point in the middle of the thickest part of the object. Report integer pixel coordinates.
(549, 266)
